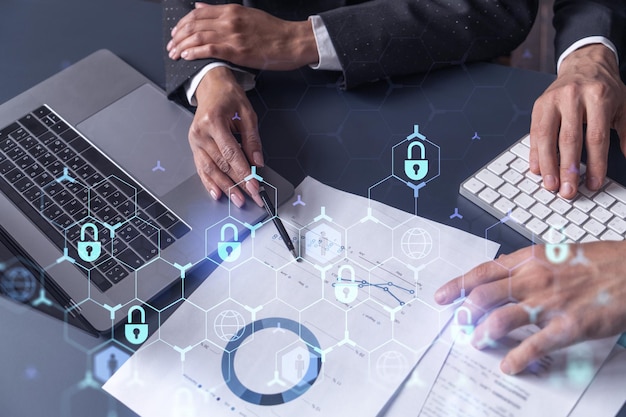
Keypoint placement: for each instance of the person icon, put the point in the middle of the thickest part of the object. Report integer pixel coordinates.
(113, 364)
(299, 366)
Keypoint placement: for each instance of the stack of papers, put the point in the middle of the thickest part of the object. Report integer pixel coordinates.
(339, 333)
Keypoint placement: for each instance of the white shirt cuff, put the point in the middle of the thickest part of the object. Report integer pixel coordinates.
(244, 79)
(584, 42)
(325, 49)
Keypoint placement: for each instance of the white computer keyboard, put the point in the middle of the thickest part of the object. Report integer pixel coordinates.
(506, 187)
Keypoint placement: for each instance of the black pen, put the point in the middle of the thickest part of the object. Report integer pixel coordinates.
(269, 207)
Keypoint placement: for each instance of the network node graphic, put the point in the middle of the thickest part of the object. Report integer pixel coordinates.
(416, 243)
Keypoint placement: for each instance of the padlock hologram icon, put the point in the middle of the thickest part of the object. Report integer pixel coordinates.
(416, 169)
(136, 333)
(462, 333)
(229, 251)
(346, 292)
(89, 251)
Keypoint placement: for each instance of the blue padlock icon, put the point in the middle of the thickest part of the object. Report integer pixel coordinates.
(136, 333)
(229, 251)
(416, 169)
(346, 292)
(462, 333)
(89, 251)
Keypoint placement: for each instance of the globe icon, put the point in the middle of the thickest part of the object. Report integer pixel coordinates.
(391, 366)
(416, 243)
(229, 325)
(18, 283)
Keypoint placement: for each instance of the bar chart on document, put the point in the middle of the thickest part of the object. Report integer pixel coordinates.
(335, 333)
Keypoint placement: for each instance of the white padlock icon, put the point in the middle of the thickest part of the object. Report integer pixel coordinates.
(346, 292)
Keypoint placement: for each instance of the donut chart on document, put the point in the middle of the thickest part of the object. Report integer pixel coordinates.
(253, 397)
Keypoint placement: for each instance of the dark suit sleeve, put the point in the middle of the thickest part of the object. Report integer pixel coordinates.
(578, 19)
(394, 37)
(178, 72)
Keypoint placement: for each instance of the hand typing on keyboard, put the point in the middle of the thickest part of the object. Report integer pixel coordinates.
(587, 90)
(582, 298)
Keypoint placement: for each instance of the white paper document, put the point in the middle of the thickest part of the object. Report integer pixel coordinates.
(470, 383)
(334, 334)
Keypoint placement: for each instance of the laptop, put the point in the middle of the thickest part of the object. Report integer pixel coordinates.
(99, 187)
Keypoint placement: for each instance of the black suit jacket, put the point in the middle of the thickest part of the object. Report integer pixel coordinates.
(577, 19)
(380, 38)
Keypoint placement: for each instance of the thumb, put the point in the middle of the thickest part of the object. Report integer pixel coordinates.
(200, 5)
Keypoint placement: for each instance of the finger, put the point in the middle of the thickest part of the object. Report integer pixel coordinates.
(544, 128)
(200, 35)
(460, 286)
(597, 141)
(570, 148)
(200, 5)
(186, 23)
(214, 167)
(499, 323)
(536, 346)
(620, 127)
(212, 48)
(234, 162)
(205, 168)
(251, 145)
(486, 297)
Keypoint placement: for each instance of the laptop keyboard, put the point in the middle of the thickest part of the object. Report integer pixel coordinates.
(37, 151)
(506, 187)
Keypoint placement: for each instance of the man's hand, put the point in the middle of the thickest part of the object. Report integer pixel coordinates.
(570, 301)
(587, 90)
(223, 108)
(244, 36)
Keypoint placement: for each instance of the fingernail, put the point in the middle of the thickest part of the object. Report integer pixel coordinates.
(506, 367)
(169, 45)
(593, 183)
(257, 157)
(184, 54)
(549, 182)
(252, 187)
(213, 194)
(174, 31)
(440, 296)
(237, 200)
(566, 189)
(172, 53)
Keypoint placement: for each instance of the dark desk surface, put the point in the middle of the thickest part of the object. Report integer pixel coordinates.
(309, 127)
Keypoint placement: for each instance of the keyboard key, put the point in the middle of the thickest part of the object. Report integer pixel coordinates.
(520, 216)
(488, 195)
(556, 221)
(584, 204)
(611, 235)
(619, 209)
(577, 217)
(536, 226)
(617, 224)
(594, 227)
(97, 279)
(163, 239)
(472, 185)
(561, 206)
(601, 214)
(116, 274)
(500, 165)
(144, 247)
(512, 176)
(519, 165)
(130, 258)
(553, 236)
(4, 132)
(540, 211)
(574, 232)
(527, 186)
(617, 191)
(33, 125)
(533, 177)
(179, 229)
(508, 191)
(504, 205)
(489, 178)
(544, 196)
(521, 150)
(524, 200)
(603, 199)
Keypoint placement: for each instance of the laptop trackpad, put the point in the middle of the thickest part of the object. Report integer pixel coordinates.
(146, 134)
